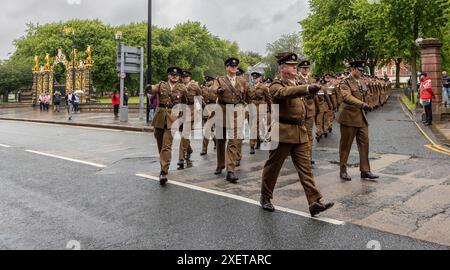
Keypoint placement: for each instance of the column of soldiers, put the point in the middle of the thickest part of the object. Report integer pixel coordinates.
(303, 100)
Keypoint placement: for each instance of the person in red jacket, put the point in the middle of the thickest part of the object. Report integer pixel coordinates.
(426, 95)
(116, 103)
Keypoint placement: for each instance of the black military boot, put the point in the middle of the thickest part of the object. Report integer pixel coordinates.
(252, 151)
(369, 176)
(163, 179)
(238, 163)
(181, 165)
(319, 207)
(267, 205)
(232, 178)
(345, 177)
(219, 171)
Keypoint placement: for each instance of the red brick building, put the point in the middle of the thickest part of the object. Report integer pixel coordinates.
(390, 70)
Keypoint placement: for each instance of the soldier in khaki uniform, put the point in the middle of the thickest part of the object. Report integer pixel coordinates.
(353, 120)
(261, 97)
(310, 102)
(324, 108)
(193, 91)
(293, 140)
(334, 101)
(209, 103)
(169, 93)
(232, 91)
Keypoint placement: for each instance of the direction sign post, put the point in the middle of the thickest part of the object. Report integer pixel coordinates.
(123, 109)
(130, 60)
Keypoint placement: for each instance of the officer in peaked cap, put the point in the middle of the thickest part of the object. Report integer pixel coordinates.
(293, 137)
(354, 124)
(311, 102)
(170, 93)
(232, 91)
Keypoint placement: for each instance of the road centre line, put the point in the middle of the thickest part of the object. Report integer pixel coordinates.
(67, 159)
(243, 199)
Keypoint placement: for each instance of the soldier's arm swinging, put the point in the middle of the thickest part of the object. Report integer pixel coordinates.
(279, 91)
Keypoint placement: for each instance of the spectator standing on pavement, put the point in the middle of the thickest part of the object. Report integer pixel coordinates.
(76, 103)
(153, 106)
(426, 95)
(125, 97)
(446, 89)
(69, 103)
(47, 100)
(115, 99)
(57, 101)
(42, 102)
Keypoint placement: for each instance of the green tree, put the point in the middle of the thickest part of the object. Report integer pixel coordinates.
(286, 43)
(189, 45)
(13, 77)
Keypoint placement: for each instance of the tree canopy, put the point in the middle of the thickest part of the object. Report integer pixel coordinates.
(377, 31)
(188, 45)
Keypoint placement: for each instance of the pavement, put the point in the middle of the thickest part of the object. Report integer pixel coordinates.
(88, 119)
(118, 205)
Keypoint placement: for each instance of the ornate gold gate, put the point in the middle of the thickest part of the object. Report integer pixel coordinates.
(43, 75)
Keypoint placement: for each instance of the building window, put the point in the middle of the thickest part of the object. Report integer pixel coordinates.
(393, 71)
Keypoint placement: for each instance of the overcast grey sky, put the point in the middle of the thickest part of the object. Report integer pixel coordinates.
(252, 23)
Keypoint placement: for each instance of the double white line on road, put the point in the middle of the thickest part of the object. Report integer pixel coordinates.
(67, 159)
(243, 199)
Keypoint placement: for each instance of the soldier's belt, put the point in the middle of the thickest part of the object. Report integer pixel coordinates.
(291, 121)
(166, 106)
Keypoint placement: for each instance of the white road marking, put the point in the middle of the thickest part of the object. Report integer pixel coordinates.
(5, 146)
(243, 199)
(67, 159)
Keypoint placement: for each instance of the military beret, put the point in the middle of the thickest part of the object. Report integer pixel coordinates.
(234, 62)
(269, 80)
(304, 63)
(209, 78)
(288, 58)
(174, 71)
(323, 81)
(187, 74)
(256, 74)
(361, 65)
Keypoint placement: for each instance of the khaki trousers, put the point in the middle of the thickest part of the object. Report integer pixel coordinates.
(302, 162)
(310, 128)
(348, 135)
(164, 139)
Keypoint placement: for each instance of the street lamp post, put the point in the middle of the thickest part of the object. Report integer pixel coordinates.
(149, 44)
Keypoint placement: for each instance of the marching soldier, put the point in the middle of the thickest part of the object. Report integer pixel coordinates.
(353, 120)
(310, 102)
(293, 137)
(261, 97)
(193, 90)
(323, 109)
(242, 74)
(232, 91)
(209, 99)
(169, 93)
(329, 114)
(334, 101)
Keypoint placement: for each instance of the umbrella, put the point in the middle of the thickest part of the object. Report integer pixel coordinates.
(79, 93)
